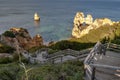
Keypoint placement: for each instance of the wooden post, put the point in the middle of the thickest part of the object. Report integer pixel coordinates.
(85, 70)
(52, 61)
(93, 73)
(61, 58)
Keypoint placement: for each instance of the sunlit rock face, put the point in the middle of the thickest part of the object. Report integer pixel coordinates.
(82, 25)
(36, 17)
(102, 22)
(79, 19)
(76, 32)
(81, 22)
(21, 39)
(89, 19)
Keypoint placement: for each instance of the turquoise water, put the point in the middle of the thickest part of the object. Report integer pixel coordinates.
(56, 15)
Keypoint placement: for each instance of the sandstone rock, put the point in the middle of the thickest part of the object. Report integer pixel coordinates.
(38, 40)
(22, 39)
(102, 22)
(79, 19)
(76, 32)
(36, 17)
(85, 31)
(89, 19)
(83, 25)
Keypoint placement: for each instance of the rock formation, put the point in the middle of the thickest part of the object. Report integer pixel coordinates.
(102, 22)
(79, 19)
(89, 19)
(19, 37)
(82, 25)
(36, 17)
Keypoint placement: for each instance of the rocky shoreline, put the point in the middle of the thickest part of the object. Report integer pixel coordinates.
(20, 39)
(82, 25)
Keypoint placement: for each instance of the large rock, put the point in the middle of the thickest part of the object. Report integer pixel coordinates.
(79, 19)
(21, 39)
(89, 19)
(102, 22)
(82, 25)
(76, 32)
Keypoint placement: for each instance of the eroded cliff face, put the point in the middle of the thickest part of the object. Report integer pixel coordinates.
(19, 37)
(82, 25)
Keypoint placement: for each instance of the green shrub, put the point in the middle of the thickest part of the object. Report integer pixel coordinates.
(68, 70)
(116, 40)
(15, 57)
(6, 49)
(5, 60)
(66, 44)
(9, 34)
(51, 51)
(33, 49)
(10, 72)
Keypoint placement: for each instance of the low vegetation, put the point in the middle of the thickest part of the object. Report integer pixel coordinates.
(9, 34)
(5, 60)
(67, 44)
(116, 40)
(71, 70)
(6, 49)
(33, 49)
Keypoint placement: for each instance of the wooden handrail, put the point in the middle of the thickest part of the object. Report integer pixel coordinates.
(105, 66)
(92, 52)
(114, 45)
(90, 66)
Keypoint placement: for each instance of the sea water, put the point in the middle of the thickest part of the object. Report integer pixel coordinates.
(56, 15)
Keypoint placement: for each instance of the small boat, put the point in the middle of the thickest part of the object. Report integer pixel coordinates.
(36, 17)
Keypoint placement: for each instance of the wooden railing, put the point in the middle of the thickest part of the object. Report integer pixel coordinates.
(114, 47)
(90, 66)
(53, 58)
(80, 56)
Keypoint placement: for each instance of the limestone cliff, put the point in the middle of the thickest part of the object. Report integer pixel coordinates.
(19, 37)
(82, 25)
(79, 19)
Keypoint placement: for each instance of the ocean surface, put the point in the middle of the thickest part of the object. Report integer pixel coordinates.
(56, 15)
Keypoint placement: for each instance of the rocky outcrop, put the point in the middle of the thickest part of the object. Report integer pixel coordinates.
(79, 19)
(36, 17)
(102, 22)
(19, 37)
(89, 19)
(82, 24)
